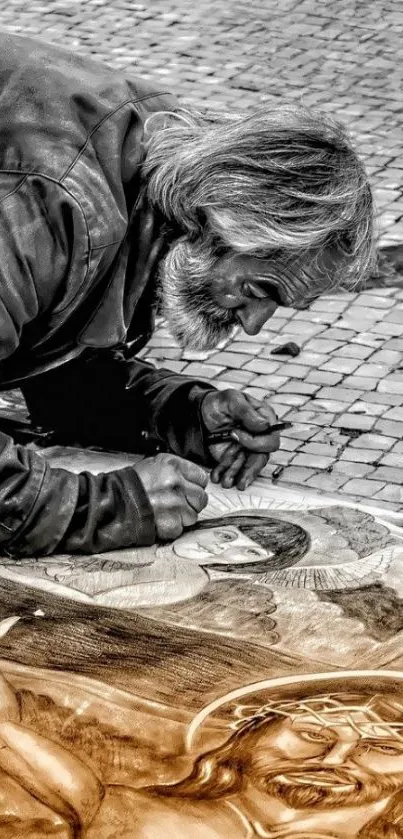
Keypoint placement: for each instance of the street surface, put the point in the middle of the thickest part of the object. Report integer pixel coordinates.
(344, 392)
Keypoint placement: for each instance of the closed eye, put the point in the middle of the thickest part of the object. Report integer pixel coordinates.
(261, 291)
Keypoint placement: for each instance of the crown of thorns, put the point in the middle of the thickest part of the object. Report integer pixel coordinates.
(328, 712)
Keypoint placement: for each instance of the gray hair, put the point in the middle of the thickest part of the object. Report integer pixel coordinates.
(279, 182)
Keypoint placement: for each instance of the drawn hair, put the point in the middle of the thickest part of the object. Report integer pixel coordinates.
(287, 541)
(282, 180)
(220, 772)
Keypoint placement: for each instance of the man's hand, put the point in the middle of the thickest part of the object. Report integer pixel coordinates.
(175, 488)
(248, 419)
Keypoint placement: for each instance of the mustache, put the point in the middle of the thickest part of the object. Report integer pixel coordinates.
(306, 786)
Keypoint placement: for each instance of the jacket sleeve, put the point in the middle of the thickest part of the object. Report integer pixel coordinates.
(105, 399)
(42, 508)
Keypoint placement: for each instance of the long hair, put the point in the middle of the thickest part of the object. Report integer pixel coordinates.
(220, 773)
(288, 542)
(280, 181)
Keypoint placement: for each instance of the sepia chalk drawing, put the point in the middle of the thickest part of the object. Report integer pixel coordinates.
(244, 681)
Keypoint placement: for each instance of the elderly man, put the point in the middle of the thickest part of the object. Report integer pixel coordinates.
(114, 203)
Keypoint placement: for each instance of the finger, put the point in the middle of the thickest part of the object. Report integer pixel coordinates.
(192, 472)
(230, 452)
(194, 496)
(259, 442)
(169, 526)
(264, 409)
(247, 414)
(228, 478)
(252, 468)
(188, 516)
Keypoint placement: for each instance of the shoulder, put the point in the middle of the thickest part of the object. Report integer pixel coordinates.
(147, 816)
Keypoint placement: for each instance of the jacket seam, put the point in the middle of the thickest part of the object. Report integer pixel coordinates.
(83, 215)
(16, 188)
(105, 119)
(18, 531)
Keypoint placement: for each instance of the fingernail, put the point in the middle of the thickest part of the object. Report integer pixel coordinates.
(234, 436)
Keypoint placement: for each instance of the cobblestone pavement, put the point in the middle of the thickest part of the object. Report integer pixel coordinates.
(344, 392)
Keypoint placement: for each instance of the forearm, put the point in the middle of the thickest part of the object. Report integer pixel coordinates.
(45, 510)
(127, 405)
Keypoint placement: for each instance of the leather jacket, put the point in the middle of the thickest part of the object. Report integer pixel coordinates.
(79, 246)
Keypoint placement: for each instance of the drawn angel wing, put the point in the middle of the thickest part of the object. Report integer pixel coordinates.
(352, 574)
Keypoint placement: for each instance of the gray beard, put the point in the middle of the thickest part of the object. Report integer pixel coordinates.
(193, 317)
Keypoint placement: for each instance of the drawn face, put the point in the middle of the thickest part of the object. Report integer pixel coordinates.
(305, 764)
(220, 545)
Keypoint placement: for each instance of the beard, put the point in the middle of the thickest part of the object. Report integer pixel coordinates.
(307, 787)
(185, 282)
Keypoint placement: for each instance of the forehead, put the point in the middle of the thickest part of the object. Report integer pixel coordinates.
(360, 722)
(299, 278)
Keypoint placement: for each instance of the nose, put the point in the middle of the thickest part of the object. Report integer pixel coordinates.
(255, 313)
(338, 754)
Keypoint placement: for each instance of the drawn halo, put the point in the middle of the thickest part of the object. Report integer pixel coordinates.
(300, 509)
(306, 684)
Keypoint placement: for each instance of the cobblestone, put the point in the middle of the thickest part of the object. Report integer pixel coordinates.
(345, 58)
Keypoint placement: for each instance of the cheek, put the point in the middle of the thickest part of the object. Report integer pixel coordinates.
(379, 763)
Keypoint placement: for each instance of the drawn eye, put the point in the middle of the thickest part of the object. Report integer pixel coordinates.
(225, 536)
(384, 748)
(313, 736)
(252, 552)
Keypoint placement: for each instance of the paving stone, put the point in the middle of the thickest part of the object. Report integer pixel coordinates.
(175, 366)
(296, 399)
(341, 394)
(376, 441)
(259, 365)
(229, 359)
(323, 345)
(327, 482)
(363, 486)
(242, 347)
(241, 377)
(295, 371)
(203, 371)
(392, 492)
(360, 382)
(271, 383)
(353, 470)
(295, 386)
(389, 474)
(388, 427)
(354, 351)
(384, 398)
(374, 371)
(354, 421)
(320, 449)
(296, 474)
(394, 414)
(312, 461)
(393, 459)
(360, 455)
(323, 377)
(289, 444)
(368, 408)
(282, 457)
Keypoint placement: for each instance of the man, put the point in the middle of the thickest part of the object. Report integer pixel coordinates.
(112, 203)
(308, 765)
